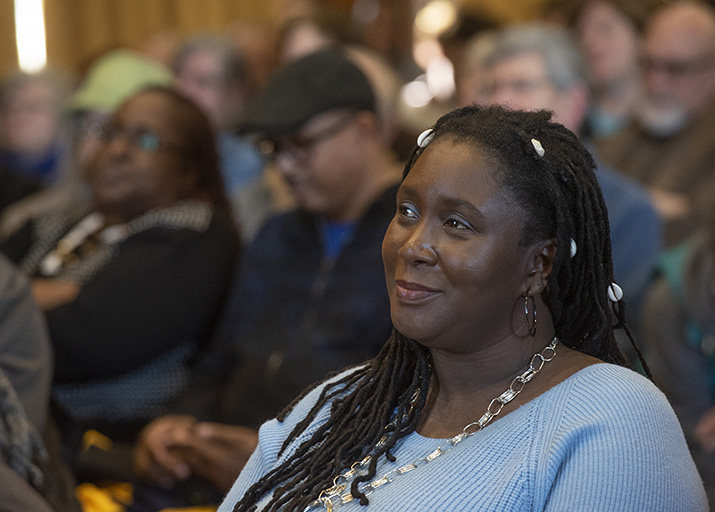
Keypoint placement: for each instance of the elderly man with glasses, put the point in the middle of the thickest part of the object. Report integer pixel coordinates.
(670, 146)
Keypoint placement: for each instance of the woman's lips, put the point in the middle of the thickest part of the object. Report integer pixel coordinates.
(413, 291)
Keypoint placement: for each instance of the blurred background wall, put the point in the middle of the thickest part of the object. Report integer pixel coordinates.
(79, 30)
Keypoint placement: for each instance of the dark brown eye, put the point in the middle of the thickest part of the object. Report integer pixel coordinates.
(406, 210)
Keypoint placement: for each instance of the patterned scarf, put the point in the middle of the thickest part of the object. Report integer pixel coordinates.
(20, 445)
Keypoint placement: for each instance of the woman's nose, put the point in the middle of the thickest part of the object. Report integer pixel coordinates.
(418, 247)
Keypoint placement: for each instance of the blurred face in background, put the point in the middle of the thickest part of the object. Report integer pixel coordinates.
(200, 77)
(611, 44)
(678, 68)
(472, 81)
(304, 38)
(140, 164)
(521, 82)
(30, 118)
(323, 163)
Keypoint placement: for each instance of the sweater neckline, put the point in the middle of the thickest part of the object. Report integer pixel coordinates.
(419, 440)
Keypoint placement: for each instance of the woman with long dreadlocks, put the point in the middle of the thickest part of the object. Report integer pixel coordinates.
(477, 402)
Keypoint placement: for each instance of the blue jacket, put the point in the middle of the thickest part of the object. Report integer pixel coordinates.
(295, 315)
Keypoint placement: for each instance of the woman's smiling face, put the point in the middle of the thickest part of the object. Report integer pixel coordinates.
(454, 265)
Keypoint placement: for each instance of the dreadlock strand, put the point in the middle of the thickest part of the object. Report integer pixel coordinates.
(370, 405)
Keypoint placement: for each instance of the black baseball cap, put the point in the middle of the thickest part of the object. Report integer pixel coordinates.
(298, 91)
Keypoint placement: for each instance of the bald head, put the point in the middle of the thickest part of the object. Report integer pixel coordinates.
(683, 26)
(679, 60)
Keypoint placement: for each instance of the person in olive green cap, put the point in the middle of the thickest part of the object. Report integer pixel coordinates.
(111, 79)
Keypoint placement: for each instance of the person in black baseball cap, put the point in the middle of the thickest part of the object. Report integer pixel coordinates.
(302, 89)
(317, 120)
(310, 296)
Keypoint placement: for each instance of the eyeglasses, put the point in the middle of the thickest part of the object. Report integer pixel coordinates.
(299, 147)
(677, 68)
(139, 137)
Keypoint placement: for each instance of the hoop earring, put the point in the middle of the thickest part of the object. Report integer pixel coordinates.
(530, 323)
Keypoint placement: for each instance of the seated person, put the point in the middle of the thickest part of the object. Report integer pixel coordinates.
(110, 79)
(33, 142)
(25, 350)
(131, 283)
(678, 324)
(31, 471)
(538, 66)
(472, 404)
(310, 297)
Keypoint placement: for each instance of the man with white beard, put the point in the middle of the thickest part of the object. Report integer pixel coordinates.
(670, 146)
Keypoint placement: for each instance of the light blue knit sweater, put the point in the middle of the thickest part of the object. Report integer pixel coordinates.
(604, 440)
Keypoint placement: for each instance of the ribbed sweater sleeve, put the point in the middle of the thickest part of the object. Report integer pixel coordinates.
(613, 443)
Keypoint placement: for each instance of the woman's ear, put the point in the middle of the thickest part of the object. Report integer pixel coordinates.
(541, 262)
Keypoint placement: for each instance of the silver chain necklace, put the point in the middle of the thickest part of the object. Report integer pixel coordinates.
(339, 493)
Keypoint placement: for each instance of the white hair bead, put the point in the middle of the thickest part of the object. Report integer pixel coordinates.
(425, 138)
(615, 292)
(574, 249)
(538, 147)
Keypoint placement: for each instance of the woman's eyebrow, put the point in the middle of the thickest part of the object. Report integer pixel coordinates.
(455, 202)
(449, 201)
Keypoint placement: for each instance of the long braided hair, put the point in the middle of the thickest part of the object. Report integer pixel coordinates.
(561, 198)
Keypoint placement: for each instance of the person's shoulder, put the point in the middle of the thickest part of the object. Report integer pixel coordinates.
(184, 218)
(282, 230)
(612, 390)
(606, 377)
(280, 220)
(222, 225)
(611, 404)
(183, 231)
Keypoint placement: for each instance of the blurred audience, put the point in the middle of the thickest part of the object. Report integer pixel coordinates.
(610, 34)
(315, 29)
(210, 72)
(131, 284)
(310, 297)
(538, 66)
(678, 324)
(120, 204)
(26, 357)
(34, 145)
(32, 140)
(472, 81)
(456, 42)
(32, 474)
(256, 43)
(109, 81)
(387, 85)
(670, 147)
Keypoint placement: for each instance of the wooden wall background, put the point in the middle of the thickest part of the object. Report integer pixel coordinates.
(79, 30)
